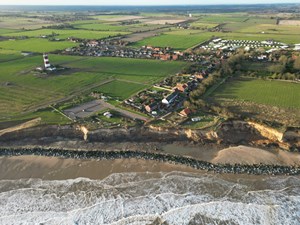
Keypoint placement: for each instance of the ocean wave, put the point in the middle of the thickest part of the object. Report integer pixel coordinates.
(141, 198)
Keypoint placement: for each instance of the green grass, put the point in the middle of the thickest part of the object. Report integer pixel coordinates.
(4, 31)
(180, 40)
(22, 23)
(7, 55)
(120, 89)
(253, 21)
(27, 90)
(274, 93)
(100, 26)
(138, 70)
(200, 25)
(206, 120)
(272, 29)
(223, 18)
(64, 34)
(35, 45)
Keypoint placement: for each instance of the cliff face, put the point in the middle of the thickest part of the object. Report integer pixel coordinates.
(229, 132)
(267, 132)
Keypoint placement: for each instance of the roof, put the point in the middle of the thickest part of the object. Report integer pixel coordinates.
(186, 112)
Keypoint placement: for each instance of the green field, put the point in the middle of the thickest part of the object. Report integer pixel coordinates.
(6, 55)
(200, 25)
(180, 40)
(21, 89)
(36, 45)
(120, 89)
(273, 93)
(249, 22)
(23, 22)
(64, 34)
(138, 70)
(272, 29)
(223, 18)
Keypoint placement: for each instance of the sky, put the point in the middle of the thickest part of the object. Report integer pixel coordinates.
(138, 2)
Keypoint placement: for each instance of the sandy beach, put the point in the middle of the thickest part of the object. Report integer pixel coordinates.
(29, 166)
(52, 168)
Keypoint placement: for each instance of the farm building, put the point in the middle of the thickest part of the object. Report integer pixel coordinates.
(151, 107)
(170, 98)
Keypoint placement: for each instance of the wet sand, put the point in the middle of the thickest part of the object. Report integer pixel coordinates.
(52, 168)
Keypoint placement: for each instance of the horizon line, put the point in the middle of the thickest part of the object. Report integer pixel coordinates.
(216, 4)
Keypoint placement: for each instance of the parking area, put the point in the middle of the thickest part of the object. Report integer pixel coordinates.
(87, 109)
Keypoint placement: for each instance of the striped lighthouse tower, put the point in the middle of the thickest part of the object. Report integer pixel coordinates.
(46, 61)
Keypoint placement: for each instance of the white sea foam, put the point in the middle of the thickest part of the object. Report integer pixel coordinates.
(140, 198)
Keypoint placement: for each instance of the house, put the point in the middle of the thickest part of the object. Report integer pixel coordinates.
(107, 115)
(170, 98)
(174, 57)
(149, 108)
(92, 43)
(186, 112)
(165, 57)
(181, 87)
(199, 76)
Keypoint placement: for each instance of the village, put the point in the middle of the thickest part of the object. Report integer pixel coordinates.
(166, 99)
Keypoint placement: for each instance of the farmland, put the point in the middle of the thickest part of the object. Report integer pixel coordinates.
(35, 45)
(273, 93)
(130, 69)
(24, 90)
(64, 34)
(21, 90)
(23, 23)
(181, 40)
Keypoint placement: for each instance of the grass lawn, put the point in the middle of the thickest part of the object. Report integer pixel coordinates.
(274, 93)
(206, 120)
(35, 45)
(120, 89)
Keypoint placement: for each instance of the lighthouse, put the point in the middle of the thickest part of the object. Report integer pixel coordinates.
(47, 64)
(46, 61)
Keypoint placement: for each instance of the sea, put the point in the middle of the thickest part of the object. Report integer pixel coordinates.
(169, 198)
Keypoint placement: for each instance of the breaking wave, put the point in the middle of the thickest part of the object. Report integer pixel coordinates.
(151, 198)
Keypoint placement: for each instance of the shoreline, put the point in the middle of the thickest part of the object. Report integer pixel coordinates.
(254, 169)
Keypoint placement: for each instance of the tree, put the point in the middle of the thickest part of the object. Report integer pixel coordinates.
(297, 63)
(283, 60)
